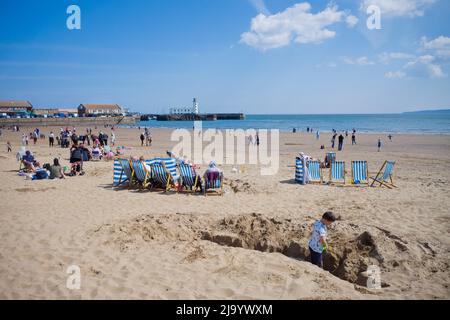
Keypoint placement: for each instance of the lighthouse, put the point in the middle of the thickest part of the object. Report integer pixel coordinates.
(195, 106)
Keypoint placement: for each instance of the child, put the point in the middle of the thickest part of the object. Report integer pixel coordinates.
(8, 146)
(318, 239)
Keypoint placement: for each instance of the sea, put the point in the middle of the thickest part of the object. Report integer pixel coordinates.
(413, 123)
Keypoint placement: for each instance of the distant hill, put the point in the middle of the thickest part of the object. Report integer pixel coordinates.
(429, 111)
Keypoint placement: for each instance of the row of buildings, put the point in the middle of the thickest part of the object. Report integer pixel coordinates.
(26, 109)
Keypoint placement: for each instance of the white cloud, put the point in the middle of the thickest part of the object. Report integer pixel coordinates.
(395, 74)
(260, 6)
(351, 21)
(362, 61)
(399, 8)
(440, 46)
(420, 67)
(387, 57)
(295, 24)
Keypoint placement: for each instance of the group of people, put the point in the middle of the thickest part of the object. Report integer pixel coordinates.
(147, 137)
(34, 136)
(47, 171)
(211, 173)
(66, 136)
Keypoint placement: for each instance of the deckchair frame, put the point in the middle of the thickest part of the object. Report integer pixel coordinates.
(365, 182)
(130, 179)
(381, 173)
(332, 181)
(320, 181)
(157, 175)
(217, 191)
(183, 176)
(146, 181)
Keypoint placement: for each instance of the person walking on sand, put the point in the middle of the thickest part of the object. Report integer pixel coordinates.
(318, 238)
(390, 137)
(341, 142)
(317, 135)
(353, 138)
(379, 145)
(51, 139)
(113, 138)
(8, 147)
(142, 137)
(257, 140)
(333, 140)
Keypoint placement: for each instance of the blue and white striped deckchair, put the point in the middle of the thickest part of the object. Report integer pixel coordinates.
(300, 171)
(141, 173)
(189, 178)
(214, 182)
(315, 172)
(360, 172)
(161, 176)
(122, 172)
(337, 172)
(170, 164)
(385, 178)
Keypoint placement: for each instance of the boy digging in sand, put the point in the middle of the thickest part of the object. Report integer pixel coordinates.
(318, 238)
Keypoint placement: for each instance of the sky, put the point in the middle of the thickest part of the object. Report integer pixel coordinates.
(251, 56)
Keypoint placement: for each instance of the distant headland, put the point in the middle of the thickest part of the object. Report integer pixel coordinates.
(429, 111)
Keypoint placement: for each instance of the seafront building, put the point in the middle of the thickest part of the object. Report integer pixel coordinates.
(15, 108)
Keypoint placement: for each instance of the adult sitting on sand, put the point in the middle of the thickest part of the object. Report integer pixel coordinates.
(29, 162)
(56, 171)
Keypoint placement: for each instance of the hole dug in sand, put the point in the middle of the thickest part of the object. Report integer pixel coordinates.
(352, 249)
(348, 259)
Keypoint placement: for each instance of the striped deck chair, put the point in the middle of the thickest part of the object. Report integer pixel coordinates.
(300, 171)
(170, 164)
(161, 176)
(141, 173)
(122, 172)
(360, 172)
(214, 182)
(337, 172)
(315, 172)
(190, 180)
(385, 178)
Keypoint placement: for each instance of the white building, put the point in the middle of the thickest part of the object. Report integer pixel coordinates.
(188, 110)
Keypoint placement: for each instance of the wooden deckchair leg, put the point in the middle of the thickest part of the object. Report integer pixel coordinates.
(378, 174)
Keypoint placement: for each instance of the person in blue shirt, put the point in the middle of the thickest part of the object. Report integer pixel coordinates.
(318, 238)
(29, 162)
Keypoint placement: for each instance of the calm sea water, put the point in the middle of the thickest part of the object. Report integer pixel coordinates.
(423, 123)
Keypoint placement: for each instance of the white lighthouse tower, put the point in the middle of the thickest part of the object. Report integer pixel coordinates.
(195, 106)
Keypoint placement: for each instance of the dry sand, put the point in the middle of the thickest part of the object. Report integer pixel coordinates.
(250, 243)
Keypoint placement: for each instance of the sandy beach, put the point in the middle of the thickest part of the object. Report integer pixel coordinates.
(248, 244)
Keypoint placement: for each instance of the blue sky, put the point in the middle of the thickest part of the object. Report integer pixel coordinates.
(254, 56)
